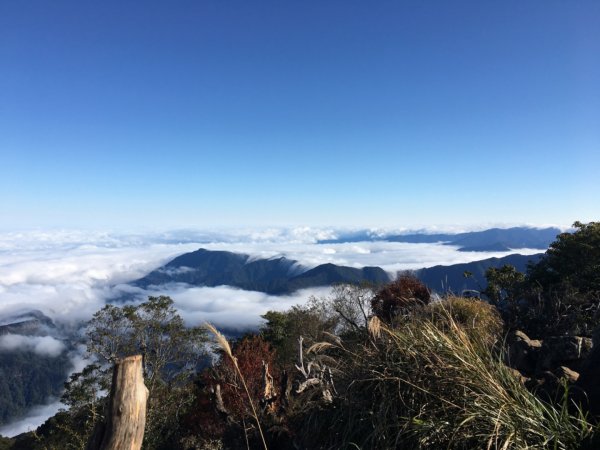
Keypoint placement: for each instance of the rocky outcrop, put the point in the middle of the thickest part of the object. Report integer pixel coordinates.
(548, 366)
(523, 353)
(566, 374)
(532, 356)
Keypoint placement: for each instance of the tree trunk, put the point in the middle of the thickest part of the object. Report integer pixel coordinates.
(126, 419)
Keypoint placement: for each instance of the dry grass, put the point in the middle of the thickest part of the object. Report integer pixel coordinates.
(374, 327)
(480, 320)
(435, 383)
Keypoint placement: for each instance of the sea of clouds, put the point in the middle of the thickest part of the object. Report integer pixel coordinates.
(70, 274)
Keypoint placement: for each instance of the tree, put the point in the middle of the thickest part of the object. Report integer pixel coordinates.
(503, 283)
(561, 293)
(573, 259)
(352, 306)
(84, 394)
(153, 328)
(282, 329)
(171, 352)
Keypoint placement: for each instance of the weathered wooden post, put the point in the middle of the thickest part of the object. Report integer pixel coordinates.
(126, 418)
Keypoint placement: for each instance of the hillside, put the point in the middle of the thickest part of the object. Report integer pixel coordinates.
(451, 278)
(31, 372)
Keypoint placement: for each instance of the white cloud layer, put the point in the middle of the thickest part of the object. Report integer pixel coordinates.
(69, 274)
(230, 307)
(41, 345)
(390, 256)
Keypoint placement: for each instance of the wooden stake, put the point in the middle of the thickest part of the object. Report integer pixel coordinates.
(126, 418)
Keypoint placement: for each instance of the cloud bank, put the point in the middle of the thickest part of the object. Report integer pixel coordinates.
(230, 307)
(41, 345)
(70, 274)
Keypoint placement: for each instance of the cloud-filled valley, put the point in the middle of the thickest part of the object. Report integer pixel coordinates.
(69, 275)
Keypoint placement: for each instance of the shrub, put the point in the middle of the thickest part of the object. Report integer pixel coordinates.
(398, 297)
(282, 329)
(477, 318)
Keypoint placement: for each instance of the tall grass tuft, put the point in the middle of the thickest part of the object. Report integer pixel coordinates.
(433, 382)
(224, 345)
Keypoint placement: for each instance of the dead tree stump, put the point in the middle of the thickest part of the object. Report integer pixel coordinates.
(126, 418)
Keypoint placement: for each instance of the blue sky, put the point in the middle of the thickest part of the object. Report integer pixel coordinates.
(237, 113)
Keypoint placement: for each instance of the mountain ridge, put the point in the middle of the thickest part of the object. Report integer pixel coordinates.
(278, 276)
(273, 276)
(493, 239)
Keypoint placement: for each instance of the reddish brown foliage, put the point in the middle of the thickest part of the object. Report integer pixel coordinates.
(398, 296)
(250, 353)
(204, 419)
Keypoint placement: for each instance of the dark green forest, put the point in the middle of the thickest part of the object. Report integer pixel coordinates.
(28, 379)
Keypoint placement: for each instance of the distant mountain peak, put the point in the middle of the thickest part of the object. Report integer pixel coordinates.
(278, 275)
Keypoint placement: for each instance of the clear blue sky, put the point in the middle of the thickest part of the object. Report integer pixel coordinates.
(326, 112)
